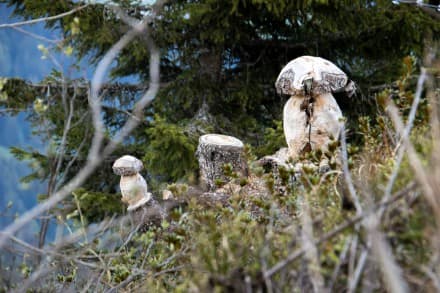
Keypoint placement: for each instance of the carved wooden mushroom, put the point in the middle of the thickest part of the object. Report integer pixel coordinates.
(144, 210)
(311, 116)
(133, 186)
(213, 152)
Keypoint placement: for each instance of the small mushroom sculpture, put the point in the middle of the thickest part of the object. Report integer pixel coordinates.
(144, 210)
(311, 117)
(133, 186)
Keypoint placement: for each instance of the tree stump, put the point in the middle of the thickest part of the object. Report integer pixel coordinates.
(213, 153)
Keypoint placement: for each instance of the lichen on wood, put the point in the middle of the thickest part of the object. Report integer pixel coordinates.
(213, 153)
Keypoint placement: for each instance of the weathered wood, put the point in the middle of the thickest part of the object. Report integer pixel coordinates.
(311, 117)
(133, 186)
(213, 153)
(324, 124)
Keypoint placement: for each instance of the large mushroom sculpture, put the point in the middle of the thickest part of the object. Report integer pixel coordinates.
(311, 117)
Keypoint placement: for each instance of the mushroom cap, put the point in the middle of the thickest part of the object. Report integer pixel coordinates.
(327, 77)
(127, 165)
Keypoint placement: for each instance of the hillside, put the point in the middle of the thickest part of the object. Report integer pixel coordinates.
(271, 210)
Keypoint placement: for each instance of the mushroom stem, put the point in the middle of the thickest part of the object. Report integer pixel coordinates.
(318, 131)
(134, 191)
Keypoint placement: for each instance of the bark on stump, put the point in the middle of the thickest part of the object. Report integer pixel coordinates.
(213, 152)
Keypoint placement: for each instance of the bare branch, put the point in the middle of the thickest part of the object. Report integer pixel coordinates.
(311, 251)
(381, 250)
(37, 275)
(433, 276)
(43, 19)
(352, 283)
(419, 170)
(384, 256)
(44, 269)
(342, 257)
(52, 252)
(35, 36)
(340, 228)
(95, 156)
(72, 160)
(94, 101)
(352, 258)
(406, 132)
(68, 122)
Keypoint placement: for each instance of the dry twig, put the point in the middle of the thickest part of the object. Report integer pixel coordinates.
(339, 229)
(97, 153)
(43, 19)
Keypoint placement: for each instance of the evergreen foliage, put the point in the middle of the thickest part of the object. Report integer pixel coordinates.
(219, 61)
(170, 140)
(227, 54)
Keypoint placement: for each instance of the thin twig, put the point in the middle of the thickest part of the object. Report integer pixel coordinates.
(34, 277)
(127, 281)
(43, 19)
(346, 171)
(417, 166)
(123, 111)
(43, 268)
(352, 259)
(406, 132)
(35, 36)
(88, 285)
(352, 283)
(265, 252)
(338, 266)
(384, 256)
(433, 276)
(72, 160)
(95, 155)
(340, 228)
(308, 244)
(67, 127)
(54, 250)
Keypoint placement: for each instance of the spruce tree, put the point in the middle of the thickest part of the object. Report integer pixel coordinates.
(219, 62)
